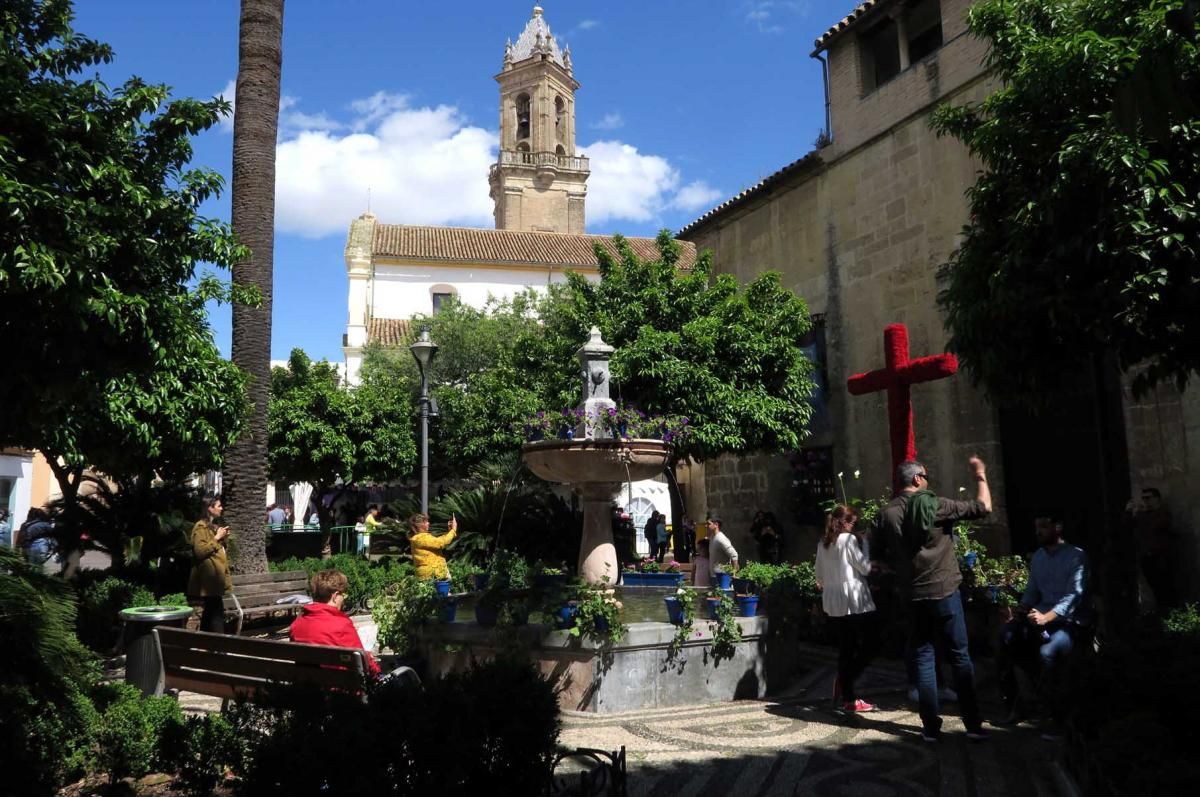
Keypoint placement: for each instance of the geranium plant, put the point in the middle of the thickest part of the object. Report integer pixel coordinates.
(599, 616)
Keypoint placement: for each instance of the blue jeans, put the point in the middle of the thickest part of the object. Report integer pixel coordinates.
(931, 621)
(1041, 651)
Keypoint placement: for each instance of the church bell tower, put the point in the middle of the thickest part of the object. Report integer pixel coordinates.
(538, 183)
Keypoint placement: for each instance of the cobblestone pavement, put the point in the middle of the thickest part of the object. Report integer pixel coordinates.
(800, 746)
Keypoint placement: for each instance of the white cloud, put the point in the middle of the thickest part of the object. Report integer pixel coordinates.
(765, 14)
(695, 195)
(625, 184)
(428, 165)
(421, 166)
(611, 121)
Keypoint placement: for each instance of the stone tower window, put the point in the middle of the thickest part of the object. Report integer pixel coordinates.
(924, 29)
(560, 117)
(560, 150)
(522, 116)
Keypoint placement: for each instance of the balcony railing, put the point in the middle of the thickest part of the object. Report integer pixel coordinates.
(569, 163)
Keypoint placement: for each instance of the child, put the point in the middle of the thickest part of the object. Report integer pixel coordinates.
(700, 574)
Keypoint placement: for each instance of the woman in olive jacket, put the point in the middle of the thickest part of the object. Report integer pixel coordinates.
(210, 579)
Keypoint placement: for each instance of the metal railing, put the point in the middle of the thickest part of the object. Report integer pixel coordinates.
(570, 163)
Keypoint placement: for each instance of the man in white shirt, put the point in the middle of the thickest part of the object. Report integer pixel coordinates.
(722, 556)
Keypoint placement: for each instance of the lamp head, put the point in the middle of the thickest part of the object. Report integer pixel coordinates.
(424, 350)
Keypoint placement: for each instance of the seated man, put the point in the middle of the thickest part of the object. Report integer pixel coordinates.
(1050, 620)
(323, 622)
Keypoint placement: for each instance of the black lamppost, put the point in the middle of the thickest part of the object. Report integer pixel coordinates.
(424, 350)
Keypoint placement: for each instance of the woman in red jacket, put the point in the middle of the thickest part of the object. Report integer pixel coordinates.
(323, 622)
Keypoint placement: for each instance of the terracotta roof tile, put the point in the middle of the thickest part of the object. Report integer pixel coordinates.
(506, 246)
(811, 159)
(846, 22)
(389, 331)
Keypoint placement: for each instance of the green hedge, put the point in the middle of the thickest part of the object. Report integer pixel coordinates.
(368, 579)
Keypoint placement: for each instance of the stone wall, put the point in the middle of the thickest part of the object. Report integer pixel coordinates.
(1163, 434)
(860, 234)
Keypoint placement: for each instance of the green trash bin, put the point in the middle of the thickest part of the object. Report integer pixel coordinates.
(143, 667)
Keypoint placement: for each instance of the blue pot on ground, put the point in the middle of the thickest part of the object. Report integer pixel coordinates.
(747, 605)
(723, 580)
(449, 609)
(564, 616)
(442, 585)
(674, 610)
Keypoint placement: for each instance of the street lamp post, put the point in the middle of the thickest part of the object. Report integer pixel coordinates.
(423, 351)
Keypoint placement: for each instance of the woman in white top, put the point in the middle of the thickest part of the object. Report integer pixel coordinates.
(843, 563)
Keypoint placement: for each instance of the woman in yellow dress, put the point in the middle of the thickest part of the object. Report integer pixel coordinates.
(427, 548)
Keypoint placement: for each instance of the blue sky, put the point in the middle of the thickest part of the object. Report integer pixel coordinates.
(683, 104)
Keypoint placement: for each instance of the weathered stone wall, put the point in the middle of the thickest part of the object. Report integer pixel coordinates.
(860, 235)
(1163, 434)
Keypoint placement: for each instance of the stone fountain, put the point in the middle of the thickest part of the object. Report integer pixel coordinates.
(595, 463)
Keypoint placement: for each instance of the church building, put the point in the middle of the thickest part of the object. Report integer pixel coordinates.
(538, 186)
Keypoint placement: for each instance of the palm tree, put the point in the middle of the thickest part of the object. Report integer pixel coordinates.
(255, 125)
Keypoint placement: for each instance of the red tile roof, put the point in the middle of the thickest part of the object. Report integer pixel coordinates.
(847, 21)
(389, 331)
(506, 246)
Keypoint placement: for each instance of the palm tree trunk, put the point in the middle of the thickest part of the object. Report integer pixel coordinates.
(255, 125)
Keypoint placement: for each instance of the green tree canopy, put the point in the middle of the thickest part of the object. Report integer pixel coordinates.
(728, 358)
(1084, 223)
(325, 434)
(688, 344)
(110, 360)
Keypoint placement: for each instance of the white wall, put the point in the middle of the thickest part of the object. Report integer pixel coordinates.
(19, 468)
(404, 291)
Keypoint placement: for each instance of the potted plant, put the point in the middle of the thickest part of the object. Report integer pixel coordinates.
(723, 579)
(650, 573)
(546, 577)
(726, 631)
(599, 616)
(505, 596)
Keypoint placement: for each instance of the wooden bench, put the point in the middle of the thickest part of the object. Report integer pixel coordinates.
(230, 667)
(254, 596)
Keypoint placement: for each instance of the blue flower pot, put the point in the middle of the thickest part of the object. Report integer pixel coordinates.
(747, 605)
(969, 559)
(674, 610)
(442, 586)
(564, 616)
(449, 609)
(712, 604)
(744, 586)
(723, 580)
(486, 614)
(547, 581)
(634, 579)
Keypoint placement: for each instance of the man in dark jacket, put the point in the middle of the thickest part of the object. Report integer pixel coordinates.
(917, 528)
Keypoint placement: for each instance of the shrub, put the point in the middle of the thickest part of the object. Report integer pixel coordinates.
(99, 623)
(1183, 624)
(367, 580)
(202, 748)
(132, 730)
(492, 729)
(401, 610)
(46, 744)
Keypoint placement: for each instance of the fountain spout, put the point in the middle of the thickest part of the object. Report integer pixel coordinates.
(596, 402)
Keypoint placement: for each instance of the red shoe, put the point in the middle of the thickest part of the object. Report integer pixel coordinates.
(859, 706)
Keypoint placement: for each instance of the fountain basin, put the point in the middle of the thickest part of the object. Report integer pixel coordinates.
(589, 461)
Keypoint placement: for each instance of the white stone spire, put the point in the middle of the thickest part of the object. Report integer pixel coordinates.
(537, 39)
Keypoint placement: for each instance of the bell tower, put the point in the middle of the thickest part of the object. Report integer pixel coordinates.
(538, 183)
